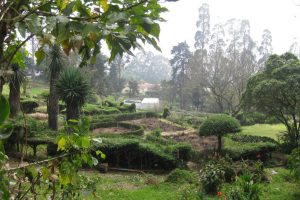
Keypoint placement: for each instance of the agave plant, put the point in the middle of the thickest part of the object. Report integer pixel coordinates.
(73, 88)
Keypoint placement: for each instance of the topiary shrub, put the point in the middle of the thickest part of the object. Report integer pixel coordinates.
(219, 125)
(28, 106)
(182, 176)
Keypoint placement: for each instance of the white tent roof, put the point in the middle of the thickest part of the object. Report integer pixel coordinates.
(151, 100)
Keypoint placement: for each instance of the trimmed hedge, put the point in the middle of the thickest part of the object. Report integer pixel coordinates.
(143, 154)
(138, 130)
(248, 150)
(252, 139)
(92, 109)
(123, 117)
(28, 106)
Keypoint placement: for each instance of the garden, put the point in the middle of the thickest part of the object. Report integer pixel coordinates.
(226, 125)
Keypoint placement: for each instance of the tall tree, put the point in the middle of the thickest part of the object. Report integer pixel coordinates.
(55, 67)
(295, 47)
(201, 41)
(265, 49)
(133, 88)
(115, 73)
(181, 56)
(148, 67)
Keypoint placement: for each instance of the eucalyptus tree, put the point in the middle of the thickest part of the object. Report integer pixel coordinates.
(181, 56)
(202, 39)
(148, 67)
(265, 49)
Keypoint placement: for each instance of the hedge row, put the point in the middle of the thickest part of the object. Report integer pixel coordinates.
(123, 117)
(144, 154)
(248, 150)
(134, 129)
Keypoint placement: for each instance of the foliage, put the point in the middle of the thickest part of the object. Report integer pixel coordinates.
(131, 152)
(294, 163)
(211, 177)
(219, 125)
(244, 188)
(72, 87)
(251, 139)
(148, 67)
(4, 181)
(166, 113)
(251, 118)
(133, 88)
(182, 176)
(275, 92)
(237, 150)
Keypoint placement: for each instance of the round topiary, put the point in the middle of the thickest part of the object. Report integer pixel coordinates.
(219, 125)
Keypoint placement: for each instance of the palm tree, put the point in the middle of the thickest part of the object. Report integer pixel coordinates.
(55, 67)
(15, 82)
(73, 88)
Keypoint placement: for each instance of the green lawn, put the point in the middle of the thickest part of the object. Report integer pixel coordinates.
(123, 186)
(268, 130)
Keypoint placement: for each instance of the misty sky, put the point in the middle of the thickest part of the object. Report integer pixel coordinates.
(281, 17)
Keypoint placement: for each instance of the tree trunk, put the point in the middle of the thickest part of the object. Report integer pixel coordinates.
(72, 112)
(219, 144)
(53, 108)
(14, 97)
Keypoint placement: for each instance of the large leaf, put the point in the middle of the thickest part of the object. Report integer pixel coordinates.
(4, 109)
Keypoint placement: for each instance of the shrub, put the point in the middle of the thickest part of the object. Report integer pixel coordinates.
(182, 176)
(219, 125)
(132, 108)
(211, 177)
(29, 105)
(251, 118)
(294, 162)
(166, 113)
(252, 139)
(244, 188)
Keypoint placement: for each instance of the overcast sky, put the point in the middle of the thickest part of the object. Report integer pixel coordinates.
(281, 17)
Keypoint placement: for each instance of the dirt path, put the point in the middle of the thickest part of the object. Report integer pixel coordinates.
(190, 136)
(153, 123)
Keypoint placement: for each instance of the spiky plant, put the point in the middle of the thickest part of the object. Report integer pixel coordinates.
(15, 82)
(56, 58)
(73, 88)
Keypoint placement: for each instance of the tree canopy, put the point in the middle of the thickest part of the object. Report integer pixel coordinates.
(276, 91)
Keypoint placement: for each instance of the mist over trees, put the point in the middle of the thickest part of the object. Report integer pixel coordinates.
(215, 75)
(148, 67)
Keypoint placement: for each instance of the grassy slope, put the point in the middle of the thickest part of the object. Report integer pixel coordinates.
(268, 130)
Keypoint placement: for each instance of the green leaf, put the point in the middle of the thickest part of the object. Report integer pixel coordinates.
(4, 111)
(104, 5)
(22, 29)
(85, 142)
(61, 144)
(45, 173)
(69, 8)
(40, 55)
